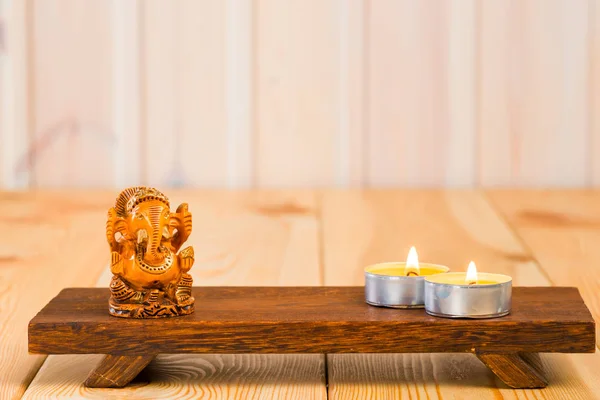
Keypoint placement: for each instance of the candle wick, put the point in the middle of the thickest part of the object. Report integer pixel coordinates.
(409, 273)
(472, 283)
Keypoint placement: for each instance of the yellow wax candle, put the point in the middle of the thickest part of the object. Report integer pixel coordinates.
(399, 284)
(471, 278)
(410, 268)
(468, 295)
(399, 269)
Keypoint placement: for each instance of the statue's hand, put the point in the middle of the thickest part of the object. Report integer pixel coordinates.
(116, 263)
(186, 259)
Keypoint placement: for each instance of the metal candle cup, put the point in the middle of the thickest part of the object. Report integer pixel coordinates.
(450, 296)
(387, 286)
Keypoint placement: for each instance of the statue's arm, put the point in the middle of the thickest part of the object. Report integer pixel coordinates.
(114, 225)
(182, 221)
(111, 230)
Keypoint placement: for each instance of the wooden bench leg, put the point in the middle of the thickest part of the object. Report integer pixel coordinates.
(514, 369)
(117, 371)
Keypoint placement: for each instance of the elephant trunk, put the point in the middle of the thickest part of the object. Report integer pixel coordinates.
(154, 254)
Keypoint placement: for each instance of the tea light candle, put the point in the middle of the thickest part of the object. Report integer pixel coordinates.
(398, 284)
(468, 295)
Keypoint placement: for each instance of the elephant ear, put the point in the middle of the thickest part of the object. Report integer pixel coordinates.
(114, 224)
(182, 221)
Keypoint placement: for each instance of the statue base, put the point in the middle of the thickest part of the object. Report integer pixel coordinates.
(156, 309)
(126, 302)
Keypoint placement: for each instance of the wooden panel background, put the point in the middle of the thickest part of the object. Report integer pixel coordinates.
(261, 93)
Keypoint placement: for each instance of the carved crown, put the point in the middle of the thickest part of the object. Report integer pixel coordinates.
(129, 198)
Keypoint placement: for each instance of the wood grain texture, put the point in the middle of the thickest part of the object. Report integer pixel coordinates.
(254, 237)
(239, 40)
(297, 105)
(181, 376)
(594, 92)
(534, 90)
(514, 370)
(268, 238)
(185, 82)
(15, 69)
(127, 92)
(240, 238)
(240, 94)
(448, 227)
(453, 376)
(162, 135)
(199, 94)
(462, 68)
(279, 319)
(72, 94)
(562, 230)
(498, 114)
(420, 55)
(350, 136)
(42, 227)
(117, 371)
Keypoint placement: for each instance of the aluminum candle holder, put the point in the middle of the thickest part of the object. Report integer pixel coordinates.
(386, 285)
(450, 296)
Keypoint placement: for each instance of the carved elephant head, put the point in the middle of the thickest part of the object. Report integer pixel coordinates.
(142, 218)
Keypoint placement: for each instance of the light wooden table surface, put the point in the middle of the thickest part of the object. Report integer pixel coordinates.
(51, 240)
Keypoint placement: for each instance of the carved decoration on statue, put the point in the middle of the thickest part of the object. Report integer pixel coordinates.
(150, 278)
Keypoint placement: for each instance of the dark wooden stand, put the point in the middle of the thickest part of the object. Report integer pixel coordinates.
(312, 320)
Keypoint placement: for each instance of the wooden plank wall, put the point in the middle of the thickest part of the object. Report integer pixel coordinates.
(262, 93)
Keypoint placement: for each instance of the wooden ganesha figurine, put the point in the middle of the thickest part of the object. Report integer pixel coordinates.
(150, 279)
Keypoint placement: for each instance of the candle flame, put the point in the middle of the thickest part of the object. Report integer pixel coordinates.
(471, 278)
(412, 263)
